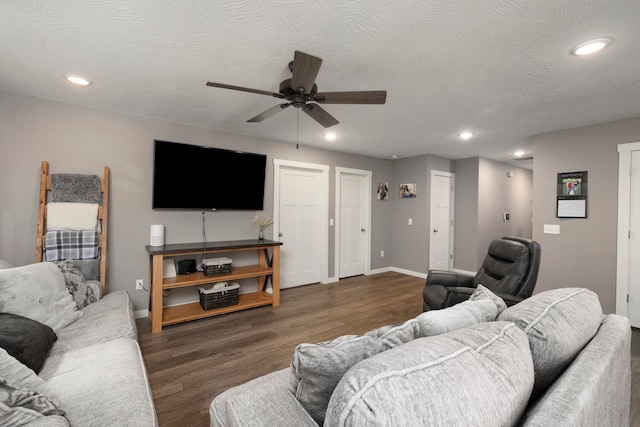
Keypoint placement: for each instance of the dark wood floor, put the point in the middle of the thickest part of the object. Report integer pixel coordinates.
(191, 363)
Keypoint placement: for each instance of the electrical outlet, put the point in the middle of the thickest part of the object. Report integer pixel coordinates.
(139, 284)
(381, 254)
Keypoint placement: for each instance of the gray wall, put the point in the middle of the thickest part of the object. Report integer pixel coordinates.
(584, 253)
(484, 193)
(76, 139)
(411, 242)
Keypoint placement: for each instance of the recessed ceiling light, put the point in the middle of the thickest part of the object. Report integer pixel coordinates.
(466, 135)
(519, 153)
(591, 46)
(330, 136)
(77, 80)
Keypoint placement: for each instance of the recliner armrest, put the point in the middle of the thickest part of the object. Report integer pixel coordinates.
(457, 294)
(448, 278)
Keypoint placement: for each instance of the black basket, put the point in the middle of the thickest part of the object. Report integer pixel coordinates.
(216, 266)
(220, 299)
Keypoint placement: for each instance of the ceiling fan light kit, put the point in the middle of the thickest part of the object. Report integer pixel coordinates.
(301, 92)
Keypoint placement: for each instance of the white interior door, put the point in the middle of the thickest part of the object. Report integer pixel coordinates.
(628, 262)
(441, 232)
(352, 226)
(300, 211)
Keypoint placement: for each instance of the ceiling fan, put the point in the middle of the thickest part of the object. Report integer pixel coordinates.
(301, 92)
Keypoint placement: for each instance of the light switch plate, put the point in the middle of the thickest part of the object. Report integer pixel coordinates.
(551, 229)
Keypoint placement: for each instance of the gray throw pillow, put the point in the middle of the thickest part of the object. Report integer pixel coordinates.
(319, 367)
(559, 324)
(38, 291)
(481, 375)
(482, 292)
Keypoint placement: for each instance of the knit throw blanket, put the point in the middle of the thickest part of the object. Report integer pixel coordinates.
(75, 188)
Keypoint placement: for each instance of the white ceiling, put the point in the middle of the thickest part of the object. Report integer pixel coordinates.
(500, 68)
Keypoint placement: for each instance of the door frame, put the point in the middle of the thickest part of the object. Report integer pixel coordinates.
(624, 193)
(452, 211)
(279, 164)
(367, 218)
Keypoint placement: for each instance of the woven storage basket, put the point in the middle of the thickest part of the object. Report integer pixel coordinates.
(224, 297)
(216, 266)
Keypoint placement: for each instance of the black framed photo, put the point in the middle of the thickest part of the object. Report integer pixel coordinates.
(572, 189)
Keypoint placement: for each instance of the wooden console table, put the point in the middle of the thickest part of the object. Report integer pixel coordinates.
(268, 268)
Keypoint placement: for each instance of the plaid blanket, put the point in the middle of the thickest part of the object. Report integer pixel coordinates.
(60, 245)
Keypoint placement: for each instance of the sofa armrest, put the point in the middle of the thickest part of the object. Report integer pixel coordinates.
(448, 278)
(265, 401)
(604, 399)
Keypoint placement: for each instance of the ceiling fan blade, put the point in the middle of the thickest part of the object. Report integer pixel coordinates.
(356, 97)
(317, 113)
(305, 69)
(245, 89)
(270, 112)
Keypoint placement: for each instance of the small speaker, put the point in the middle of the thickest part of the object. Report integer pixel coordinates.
(186, 266)
(156, 235)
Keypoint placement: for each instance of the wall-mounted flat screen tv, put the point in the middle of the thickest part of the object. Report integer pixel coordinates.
(204, 178)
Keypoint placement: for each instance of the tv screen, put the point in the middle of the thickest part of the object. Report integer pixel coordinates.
(204, 178)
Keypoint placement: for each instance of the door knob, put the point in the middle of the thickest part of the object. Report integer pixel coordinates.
(279, 234)
(435, 230)
(363, 229)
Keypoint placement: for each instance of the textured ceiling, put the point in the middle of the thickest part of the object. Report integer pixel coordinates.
(499, 68)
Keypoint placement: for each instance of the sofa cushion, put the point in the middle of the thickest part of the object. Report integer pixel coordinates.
(38, 291)
(26, 340)
(319, 367)
(558, 323)
(104, 384)
(19, 407)
(19, 376)
(107, 319)
(480, 375)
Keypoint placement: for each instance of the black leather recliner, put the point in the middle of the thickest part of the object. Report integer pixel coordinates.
(510, 270)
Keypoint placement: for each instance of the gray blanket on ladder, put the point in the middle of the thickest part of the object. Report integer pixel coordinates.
(74, 188)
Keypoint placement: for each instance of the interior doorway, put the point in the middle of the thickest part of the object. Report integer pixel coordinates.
(442, 214)
(353, 227)
(628, 261)
(300, 217)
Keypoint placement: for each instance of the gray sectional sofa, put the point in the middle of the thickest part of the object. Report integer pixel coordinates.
(551, 360)
(92, 374)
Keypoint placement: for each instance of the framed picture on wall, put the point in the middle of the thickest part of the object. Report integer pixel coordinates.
(408, 190)
(383, 191)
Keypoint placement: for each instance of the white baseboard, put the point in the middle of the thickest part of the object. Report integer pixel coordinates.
(379, 270)
(139, 314)
(409, 272)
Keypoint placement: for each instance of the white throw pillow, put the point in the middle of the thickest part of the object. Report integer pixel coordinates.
(38, 291)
